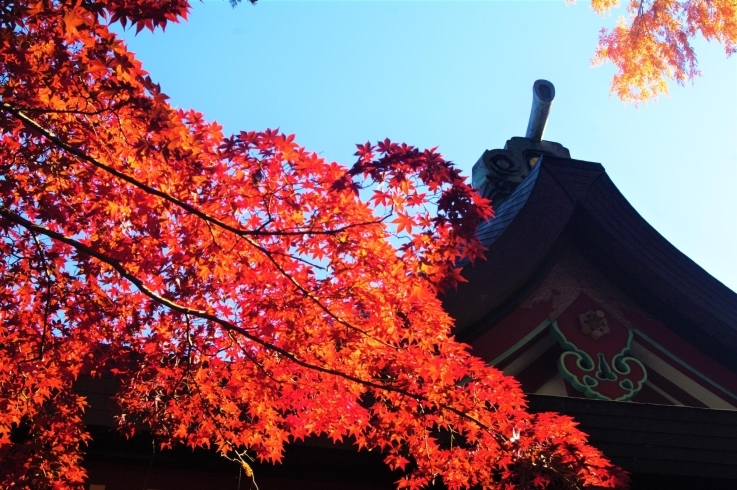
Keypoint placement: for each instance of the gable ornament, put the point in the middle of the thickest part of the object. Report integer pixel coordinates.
(597, 359)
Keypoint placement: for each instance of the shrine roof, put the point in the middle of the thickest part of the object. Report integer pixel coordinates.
(575, 202)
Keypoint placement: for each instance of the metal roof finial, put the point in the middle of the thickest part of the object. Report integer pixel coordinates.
(543, 93)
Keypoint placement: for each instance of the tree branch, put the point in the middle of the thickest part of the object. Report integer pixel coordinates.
(245, 234)
(228, 326)
(163, 195)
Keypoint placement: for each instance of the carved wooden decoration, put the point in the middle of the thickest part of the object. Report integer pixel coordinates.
(594, 324)
(597, 360)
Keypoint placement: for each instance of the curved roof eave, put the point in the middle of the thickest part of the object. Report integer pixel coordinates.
(562, 194)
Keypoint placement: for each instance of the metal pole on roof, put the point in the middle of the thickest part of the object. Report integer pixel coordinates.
(543, 93)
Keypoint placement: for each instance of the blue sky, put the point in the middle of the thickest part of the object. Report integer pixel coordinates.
(458, 75)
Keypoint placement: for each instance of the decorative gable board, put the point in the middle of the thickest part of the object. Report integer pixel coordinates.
(578, 335)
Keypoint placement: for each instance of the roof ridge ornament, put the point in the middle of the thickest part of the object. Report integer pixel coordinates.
(543, 93)
(498, 172)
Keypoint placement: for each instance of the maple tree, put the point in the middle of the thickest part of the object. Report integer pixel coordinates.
(239, 288)
(655, 43)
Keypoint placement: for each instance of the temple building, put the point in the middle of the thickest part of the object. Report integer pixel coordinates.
(599, 317)
(580, 299)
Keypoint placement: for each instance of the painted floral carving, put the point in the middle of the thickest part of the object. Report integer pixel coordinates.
(594, 324)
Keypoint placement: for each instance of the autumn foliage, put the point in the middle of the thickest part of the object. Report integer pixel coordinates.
(244, 292)
(655, 43)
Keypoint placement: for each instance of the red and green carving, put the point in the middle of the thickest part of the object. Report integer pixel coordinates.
(596, 360)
